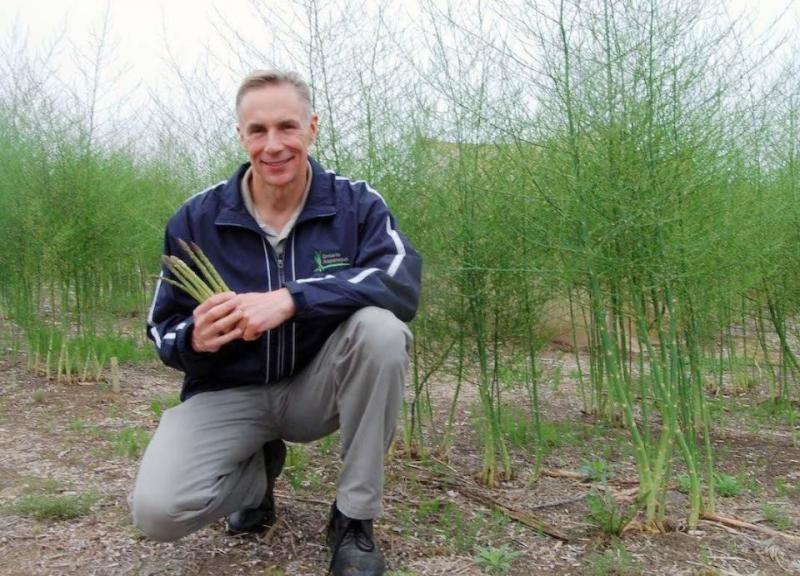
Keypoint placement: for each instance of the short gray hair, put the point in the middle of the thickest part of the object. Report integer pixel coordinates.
(259, 78)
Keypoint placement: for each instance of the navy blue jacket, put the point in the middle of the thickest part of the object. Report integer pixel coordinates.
(344, 253)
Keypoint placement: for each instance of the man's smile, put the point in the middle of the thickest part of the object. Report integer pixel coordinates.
(277, 163)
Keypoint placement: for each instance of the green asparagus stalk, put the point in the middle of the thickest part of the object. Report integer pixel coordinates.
(188, 289)
(204, 265)
(200, 287)
(190, 277)
(222, 287)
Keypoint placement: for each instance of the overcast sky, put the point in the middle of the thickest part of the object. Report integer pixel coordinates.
(141, 30)
(147, 35)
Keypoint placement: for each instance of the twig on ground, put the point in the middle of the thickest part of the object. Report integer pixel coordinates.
(558, 503)
(476, 493)
(559, 473)
(735, 523)
(268, 536)
(285, 496)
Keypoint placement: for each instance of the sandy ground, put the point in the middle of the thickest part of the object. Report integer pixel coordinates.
(58, 438)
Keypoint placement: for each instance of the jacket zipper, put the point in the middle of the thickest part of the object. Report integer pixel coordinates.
(281, 333)
(269, 287)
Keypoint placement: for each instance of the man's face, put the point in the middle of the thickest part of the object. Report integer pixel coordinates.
(276, 130)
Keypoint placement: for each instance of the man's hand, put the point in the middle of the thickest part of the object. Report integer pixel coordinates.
(216, 322)
(262, 311)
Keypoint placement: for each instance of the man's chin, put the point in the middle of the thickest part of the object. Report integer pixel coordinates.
(277, 180)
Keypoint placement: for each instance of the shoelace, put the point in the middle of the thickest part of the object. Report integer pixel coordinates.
(360, 536)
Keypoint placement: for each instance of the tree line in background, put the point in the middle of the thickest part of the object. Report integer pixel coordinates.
(629, 166)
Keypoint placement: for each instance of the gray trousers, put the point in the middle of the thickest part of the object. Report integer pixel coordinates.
(205, 460)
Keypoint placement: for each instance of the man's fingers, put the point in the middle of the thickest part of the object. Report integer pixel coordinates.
(251, 333)
(215, 344)
(217, 311)
(226, 323)
(213, 301)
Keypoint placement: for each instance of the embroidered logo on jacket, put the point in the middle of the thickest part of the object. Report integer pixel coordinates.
(329, 260)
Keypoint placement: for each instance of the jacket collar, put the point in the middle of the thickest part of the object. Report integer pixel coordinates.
(321, 199)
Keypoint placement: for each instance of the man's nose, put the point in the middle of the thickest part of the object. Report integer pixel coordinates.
(273, 142)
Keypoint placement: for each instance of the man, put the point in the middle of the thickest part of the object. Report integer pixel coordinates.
(310, 339)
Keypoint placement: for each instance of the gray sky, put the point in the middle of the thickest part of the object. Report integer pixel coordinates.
(145, 36)
(141, 30)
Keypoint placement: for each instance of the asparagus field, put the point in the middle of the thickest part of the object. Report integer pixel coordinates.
(605, 373)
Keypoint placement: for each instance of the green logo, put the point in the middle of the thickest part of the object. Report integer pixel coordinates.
(329, 260)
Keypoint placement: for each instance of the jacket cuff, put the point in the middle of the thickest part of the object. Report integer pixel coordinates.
(297, 292)
(194, 363)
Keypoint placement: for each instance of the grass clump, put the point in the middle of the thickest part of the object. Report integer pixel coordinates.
(776, 517)
(727, 486)
(519, 430)
(495, 560)
(595, 470)
(54, 506)
(163, 403)
(131, 442)
(607, 514)
(296, 467)
(784, 487)
(616, 561)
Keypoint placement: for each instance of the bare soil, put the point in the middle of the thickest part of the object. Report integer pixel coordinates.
(62, 438)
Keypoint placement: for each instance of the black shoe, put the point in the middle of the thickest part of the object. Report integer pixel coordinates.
(256, 520)
(354, 549)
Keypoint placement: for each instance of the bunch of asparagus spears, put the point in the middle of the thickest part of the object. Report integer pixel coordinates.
(199, 288)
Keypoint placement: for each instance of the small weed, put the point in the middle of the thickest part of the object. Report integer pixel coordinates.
(325, 445)
(296, 464)
(519, 431)
(684, 482)
(38, 396)
(464, 534)
(616, 561)
(607, 514)
(33, 485)
(135, 534)
(131, 442)
(596, 470)
(498, 526)
(557, 434)
(785, 488)
(495, 560)
(163, 403)
(726, 485)
(516, 426)
(776, 517)
(499, 519)
(513, 372)
(744, 381)
(555, 381)
(427, 509)
(52, 506)
(77, 425)
(752, 485)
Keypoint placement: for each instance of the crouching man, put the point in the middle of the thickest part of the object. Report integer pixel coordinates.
(310, 339)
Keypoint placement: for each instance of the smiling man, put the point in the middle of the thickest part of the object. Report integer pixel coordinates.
(310, 339)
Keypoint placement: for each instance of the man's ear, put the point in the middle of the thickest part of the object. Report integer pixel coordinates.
(312, 128)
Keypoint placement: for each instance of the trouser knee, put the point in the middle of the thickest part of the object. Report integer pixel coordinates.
(380, 336)
(157, 518)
